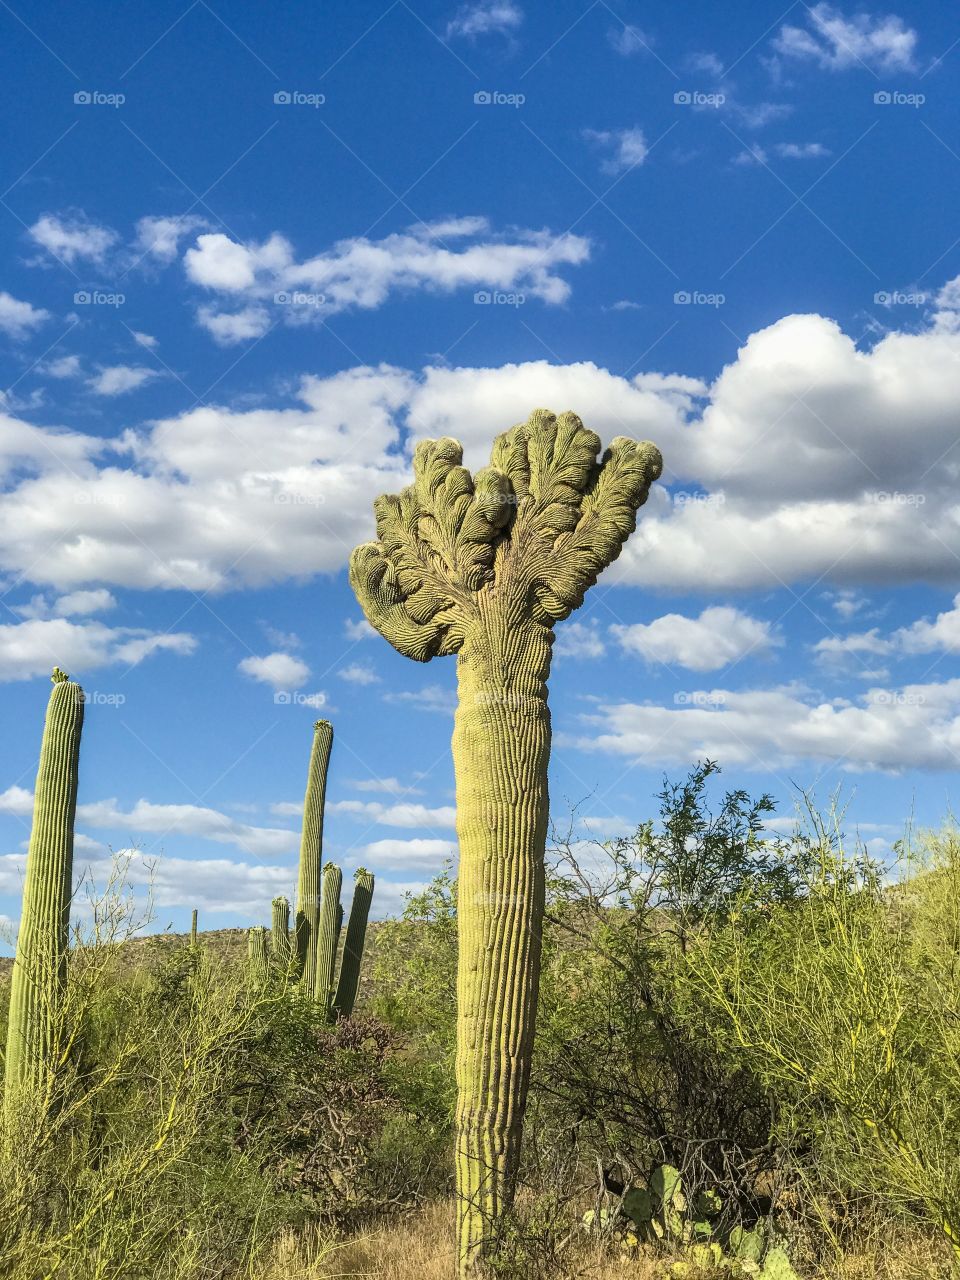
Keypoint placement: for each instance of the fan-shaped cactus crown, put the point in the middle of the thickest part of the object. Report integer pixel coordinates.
(537, 527)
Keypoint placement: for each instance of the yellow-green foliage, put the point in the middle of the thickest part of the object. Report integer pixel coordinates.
(39, 972)
(484, 566)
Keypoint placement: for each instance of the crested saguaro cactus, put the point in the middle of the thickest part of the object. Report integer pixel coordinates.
(483, 567)
(39, 969)
(328, 931)
(349, 981)
(311, 856)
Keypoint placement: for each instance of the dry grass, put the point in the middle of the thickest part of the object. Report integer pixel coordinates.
(420, 1247)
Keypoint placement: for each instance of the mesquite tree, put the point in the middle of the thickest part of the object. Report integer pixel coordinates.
(483, 567)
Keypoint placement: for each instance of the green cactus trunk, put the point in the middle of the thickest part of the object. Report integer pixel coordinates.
(329, 933)
(501, 749)
(193, 928)
(39, 969)
(258, 963)
(311, 856)
(352, 958)
(280, 932)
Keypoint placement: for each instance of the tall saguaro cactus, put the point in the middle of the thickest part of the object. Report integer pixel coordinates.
(39, 969)
(258, 964)
(483, 567)
(311, 856)
(328, 931)
(349, 981)
(280, 931)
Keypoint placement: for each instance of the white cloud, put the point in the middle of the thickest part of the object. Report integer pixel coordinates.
(914, 727)
(17, 800)
(942, 635)
(628, 40)
(402, 814)
(145, 340)
(800, 150)
(432, 697)
(84, 602)
(72, 239)
(399, 855)
(35, 646)
(625, 304)
(159, 237)
(272, 285)
(358, 673)
(579, 640)
(389, 786)
(836, 43)
(64, 367)
(627, 148)
(358, 629)
(18, 319)
(486, 17)
(159, 820)
(721, 635)
(281, 670)
(117, 379)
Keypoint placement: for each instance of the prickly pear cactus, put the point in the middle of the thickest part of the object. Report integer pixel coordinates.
(39, 969)
(483, 567)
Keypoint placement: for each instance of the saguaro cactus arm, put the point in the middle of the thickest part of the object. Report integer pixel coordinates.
(311, 855)
(349, 981)
(39, 968)
(483, 568)
(328, 933)
(280, 931)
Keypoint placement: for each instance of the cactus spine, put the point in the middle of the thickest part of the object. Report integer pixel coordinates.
(280, 932)
(311, 855)
(484, 567)
(329, 933)
(349, 981)
(39, 969)
(257, 960)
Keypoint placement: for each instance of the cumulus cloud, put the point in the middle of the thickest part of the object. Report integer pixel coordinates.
(720, 636)
(579, 640)
(260, 284)
(913, 727)
(18, 319)
(16, 800)
(628, 40)
(33, 647)
(358, 673)
(72, 239)
(281, 670)
(117, 379)
(404, 814)
(625, 148)
(159, 820)
(401, 855)
(487, 17)
(389, 786)
(159, 237)
(432, 697)
(941, 635)
(837, 43)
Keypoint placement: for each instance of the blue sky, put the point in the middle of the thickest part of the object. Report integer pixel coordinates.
(249, 257)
